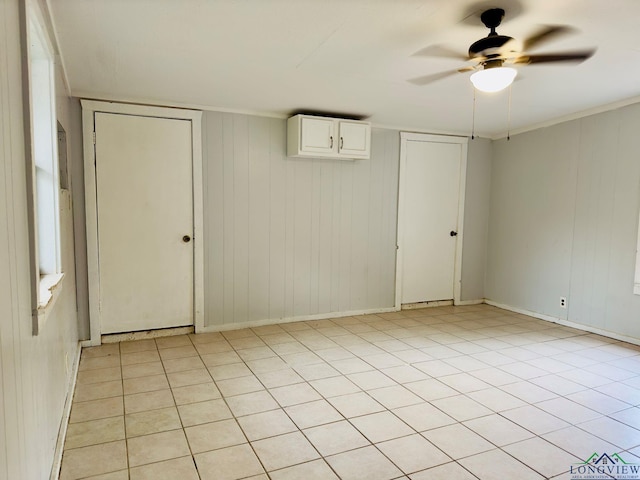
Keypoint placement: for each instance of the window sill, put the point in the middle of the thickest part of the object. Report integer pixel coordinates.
(50, 287)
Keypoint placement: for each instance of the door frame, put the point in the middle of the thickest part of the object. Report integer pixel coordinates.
(89, 109)
(457, 271)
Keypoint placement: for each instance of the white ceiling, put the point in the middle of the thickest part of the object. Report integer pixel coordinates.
(274, 57)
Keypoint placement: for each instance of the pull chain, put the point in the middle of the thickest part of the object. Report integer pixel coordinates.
(509, 115)
(473, 119)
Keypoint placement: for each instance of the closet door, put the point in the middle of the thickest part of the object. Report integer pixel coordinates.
(429, 202)
(144, 190)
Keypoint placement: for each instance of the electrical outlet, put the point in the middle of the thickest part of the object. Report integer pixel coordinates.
(563, 302)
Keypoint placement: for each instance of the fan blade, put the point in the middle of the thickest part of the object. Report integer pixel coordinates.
(434, 77)
(545, 34)
(426, 79)
(556, 57)
(440, 51)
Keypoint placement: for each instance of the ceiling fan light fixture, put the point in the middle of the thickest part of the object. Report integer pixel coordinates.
(492, 80)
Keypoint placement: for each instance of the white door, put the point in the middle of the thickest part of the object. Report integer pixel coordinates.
(429, 203)
(144, 193)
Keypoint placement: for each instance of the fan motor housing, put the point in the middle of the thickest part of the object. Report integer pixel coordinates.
(488, 46)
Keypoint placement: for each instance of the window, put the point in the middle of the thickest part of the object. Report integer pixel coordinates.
(44, 186)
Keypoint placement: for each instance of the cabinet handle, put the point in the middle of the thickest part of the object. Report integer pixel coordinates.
(331, 142)
(341, 142)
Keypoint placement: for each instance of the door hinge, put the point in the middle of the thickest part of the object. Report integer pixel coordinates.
(94, 138)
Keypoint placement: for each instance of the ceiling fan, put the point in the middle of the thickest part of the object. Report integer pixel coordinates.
(493, 53)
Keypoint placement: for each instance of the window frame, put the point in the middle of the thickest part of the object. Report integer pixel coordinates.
(43, 187)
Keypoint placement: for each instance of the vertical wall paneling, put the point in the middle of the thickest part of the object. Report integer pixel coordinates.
(607, 204)
(533, 195)
(9, 447)
(336, 261)
(626, 207)
(289, 237)
(325, 236)
(294, 238)
(316, 201)
(374, 198)
(594, 216)
(476, 219)
(76, 170)
(228, 227)
(240, 203)
(35, 372)
(259, 213)
(344, 231)
(360, 234)
(391, 171)
(214, 215)
(277, 222)
(565, 202)
(302, 187)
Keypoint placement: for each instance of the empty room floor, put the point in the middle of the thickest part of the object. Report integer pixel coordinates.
(439, 393)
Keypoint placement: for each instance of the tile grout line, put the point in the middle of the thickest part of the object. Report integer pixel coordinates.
(590, 342)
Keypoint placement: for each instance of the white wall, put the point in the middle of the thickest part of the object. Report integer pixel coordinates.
(476, 219)
(76, 172)
(564, 221)
(34, 371)
(289, 237)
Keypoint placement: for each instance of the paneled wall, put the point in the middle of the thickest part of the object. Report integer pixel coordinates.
(606, 223)
(34, 371)
(291, 238)
(564, 221)
(476, 219)
(533, 188)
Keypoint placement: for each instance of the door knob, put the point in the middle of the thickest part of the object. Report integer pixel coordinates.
(453, 233)
(186, 239)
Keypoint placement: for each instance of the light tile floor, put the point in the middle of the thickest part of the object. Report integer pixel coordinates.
(440, 393)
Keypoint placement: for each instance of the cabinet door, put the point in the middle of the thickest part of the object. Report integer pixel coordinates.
(318, 135)
(355, 139)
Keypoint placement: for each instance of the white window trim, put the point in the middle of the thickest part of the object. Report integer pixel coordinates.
(46, 287)
(49, 290)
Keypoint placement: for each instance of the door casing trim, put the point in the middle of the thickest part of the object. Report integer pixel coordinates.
(457, 273)
(89, 108)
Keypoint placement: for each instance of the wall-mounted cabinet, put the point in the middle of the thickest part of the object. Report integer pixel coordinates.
(324, 137)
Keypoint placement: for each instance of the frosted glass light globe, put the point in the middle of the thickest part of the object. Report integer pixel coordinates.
(493, 79)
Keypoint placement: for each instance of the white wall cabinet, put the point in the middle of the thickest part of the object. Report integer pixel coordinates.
(324, 137)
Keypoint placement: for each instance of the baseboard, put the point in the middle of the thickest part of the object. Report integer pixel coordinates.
(529, 313)
(66, 413)
(301, 318)
(119, 337)
(432, 304)
(478, 301)
(441, 303)
(567, 323)
(145, 334)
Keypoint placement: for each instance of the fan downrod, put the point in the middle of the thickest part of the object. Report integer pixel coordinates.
(492, 19)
